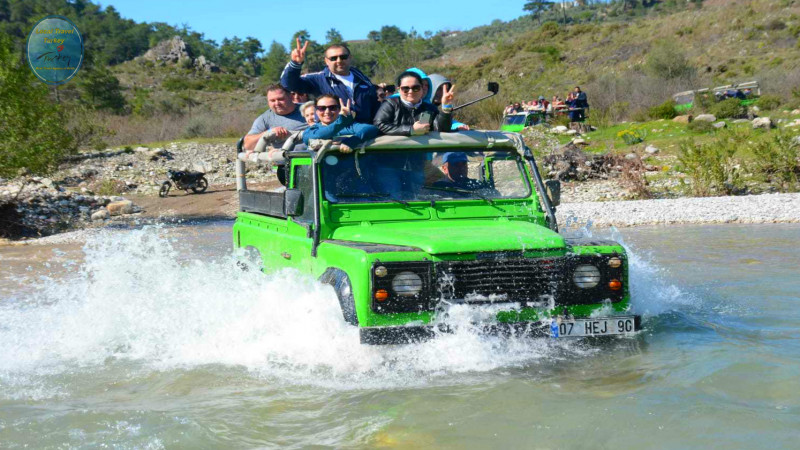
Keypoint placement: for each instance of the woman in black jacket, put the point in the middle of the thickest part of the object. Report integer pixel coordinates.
(409, 115)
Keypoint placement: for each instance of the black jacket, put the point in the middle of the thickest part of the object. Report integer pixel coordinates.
(395, 118)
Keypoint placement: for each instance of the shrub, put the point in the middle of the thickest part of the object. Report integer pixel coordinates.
(700, 126)
(33, 130)
(712, 166)
(730, 108)
(176, 84)
(666, 60)
(776, 160)
(769, 102)
(195, 128)
(632, 136)
(109, 187)
(665, 110)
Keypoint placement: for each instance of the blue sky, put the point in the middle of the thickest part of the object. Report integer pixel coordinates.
(273, 20)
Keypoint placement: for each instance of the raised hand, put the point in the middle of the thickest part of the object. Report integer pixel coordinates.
(448, 94)
(344, 148)
(299, 53)
(346, 109)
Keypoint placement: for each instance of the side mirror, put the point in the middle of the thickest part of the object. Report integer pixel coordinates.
(293, 202)
(553, 188)
(494, 87)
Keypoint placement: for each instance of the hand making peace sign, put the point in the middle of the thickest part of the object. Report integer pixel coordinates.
(447, 94)
(346, 109)
(299, 53)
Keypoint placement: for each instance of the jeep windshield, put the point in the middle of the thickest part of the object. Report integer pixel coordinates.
(404, 176)
(514, 119)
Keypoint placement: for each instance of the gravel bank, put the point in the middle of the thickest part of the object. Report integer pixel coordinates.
(767, 208)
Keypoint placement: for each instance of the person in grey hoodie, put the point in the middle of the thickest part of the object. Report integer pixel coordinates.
(437, 81)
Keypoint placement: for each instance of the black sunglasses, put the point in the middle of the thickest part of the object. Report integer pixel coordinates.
(414, 88)
(323, 108)
(338, 57)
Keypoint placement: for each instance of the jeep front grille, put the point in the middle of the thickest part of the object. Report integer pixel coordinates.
(487, 280)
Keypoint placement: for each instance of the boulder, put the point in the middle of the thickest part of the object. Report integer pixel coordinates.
(685, 119)
(560, 129)
(100, 214)
(796, 112)
(706, 118)
(119, 208)
(763, 122)
(631, 156)
(719, 125)
(170, 50)
(201, 63)
(737, 121)
(651, 150)
(579, 141)
(571, 132)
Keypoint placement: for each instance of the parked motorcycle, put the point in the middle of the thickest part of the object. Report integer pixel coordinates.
(196, 181)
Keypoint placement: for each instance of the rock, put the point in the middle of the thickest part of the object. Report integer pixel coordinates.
(171, 50)
(100, 214)
(651, 150)
(685, 119)
(201, 63)
(203, 167)
(579, 141)
(796, 112)
(631, 156)
(156, 153)
(46, 182)
(119, 208)
(719, 125)
(571, 132)
(559, 129)
(763, 122)
(141, 149)
(737, 121)
(706, 118)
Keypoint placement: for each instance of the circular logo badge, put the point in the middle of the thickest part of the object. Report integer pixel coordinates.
(55, 50)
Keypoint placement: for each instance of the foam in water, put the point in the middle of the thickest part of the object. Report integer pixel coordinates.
(138, 298)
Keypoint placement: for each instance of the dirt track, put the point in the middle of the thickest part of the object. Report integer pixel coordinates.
(218, 202)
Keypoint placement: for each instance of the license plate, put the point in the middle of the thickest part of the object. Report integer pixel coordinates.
(606, 326)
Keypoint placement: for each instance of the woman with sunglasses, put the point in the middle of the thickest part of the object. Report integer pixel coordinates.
(409, 115)
(337, 119)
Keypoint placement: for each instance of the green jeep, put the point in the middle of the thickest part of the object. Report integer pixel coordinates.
(400, 242)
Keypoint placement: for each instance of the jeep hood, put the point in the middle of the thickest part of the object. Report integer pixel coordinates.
(455, 236)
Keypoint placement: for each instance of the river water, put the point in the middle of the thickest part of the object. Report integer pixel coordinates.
(153, 338)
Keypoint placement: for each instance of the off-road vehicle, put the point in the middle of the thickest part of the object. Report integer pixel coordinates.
(400, 242)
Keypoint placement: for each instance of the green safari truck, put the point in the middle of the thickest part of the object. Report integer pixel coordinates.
(400, 240)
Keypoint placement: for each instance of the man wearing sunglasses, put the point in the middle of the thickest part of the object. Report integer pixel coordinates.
(409, 115)
(338, 79)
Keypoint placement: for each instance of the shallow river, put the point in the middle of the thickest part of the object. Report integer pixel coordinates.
(152, 338)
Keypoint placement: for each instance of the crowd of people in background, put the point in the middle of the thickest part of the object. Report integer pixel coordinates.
(575, 105)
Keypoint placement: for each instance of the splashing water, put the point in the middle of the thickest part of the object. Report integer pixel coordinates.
(139, 298)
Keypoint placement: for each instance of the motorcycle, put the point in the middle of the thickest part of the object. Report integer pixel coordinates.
(196, 181)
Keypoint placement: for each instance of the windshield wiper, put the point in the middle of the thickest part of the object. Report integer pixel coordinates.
(460, 191)
(377, 195)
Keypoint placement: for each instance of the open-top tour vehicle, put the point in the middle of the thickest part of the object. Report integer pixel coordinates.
(400, 242)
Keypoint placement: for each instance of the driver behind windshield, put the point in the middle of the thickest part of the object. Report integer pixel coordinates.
(455, 169)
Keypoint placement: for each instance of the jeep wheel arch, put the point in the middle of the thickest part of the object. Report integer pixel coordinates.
(344, 292)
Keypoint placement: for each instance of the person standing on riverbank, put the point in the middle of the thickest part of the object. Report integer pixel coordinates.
(338, 78)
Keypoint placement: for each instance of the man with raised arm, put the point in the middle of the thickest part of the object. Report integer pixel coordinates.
(338, 79)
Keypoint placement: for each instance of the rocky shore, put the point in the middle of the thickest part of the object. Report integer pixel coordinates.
(120, 186)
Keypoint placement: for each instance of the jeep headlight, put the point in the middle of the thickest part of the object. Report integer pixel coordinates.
(408, 284)
(586, 276)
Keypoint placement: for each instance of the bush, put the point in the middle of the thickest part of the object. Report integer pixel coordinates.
(632, 136)
(727, 109)
(32, 127)
(769, 102)
(776, 160)
(195, 128)
(668, 61)
(700, 126)
(665, 110)
(712, 166)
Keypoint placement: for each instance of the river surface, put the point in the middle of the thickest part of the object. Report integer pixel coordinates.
(153, 338)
